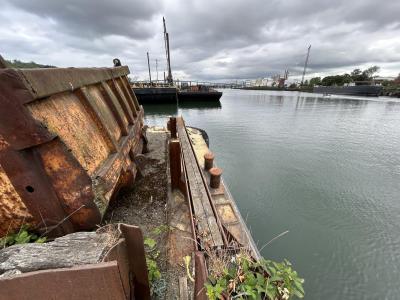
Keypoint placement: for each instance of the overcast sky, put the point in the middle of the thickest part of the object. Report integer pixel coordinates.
(210, 39)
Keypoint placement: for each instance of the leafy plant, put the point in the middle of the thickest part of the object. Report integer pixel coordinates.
(157, 283)
(160, 229)
(23, 236)
(245, 278)
(152, 269)
(149, 242)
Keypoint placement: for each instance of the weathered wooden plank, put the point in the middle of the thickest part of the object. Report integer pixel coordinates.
(125, 82)
(128, 96)
(122, 100)
(203, 212)
(46, 82)
(115, 107)
(99, 116)
(109, 172)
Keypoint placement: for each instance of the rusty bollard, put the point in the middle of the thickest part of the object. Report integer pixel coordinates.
(172, 127)
(208, 160)
(215, 177)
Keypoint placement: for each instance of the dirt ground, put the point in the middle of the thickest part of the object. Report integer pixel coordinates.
(145, 204)
(151, 205)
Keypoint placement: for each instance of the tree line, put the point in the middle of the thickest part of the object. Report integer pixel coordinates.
(25, 65)
(355, 76)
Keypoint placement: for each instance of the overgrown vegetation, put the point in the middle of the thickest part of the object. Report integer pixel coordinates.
(25, 65)
(241, 277)
(157, 283)
(23, 236)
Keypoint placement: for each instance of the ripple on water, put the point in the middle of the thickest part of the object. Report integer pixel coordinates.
(327, 170)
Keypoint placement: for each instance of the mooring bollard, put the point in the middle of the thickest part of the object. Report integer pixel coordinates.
(215, 177)
(208, 160)
(175, 162)
(172, 127)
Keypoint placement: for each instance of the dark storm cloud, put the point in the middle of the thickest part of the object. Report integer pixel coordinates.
(209, 39)
(93, 18)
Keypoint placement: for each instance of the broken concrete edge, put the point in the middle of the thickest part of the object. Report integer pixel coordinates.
(123, 247)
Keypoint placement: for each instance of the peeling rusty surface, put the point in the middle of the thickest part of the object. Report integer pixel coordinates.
(68, 138)
(12, 209)
(72, 185)
(16, 125)
(65, 116)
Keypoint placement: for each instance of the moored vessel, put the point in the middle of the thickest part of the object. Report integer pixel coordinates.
(354, 90)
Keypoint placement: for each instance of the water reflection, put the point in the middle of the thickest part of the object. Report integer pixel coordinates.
(200, 105)
(168, 109)
(160, 109)
(325, 168)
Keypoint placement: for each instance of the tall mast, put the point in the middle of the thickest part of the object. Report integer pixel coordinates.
(169, 78)
(148, 64)
(165, 38)
(305, 64)
(166, 41)
(157, 69)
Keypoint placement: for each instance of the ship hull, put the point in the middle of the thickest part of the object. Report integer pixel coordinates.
(357, 90)
(156, 95)
(199, 96)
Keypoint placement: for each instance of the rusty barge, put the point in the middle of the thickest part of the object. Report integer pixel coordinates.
(70, 140)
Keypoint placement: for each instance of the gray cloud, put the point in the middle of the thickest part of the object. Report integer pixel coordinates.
(93, 18)
(210, 40)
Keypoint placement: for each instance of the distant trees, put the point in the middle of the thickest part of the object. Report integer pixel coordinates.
(355, 75)
(25, 65)
(358, 75)
(315, 81)
(397, 80)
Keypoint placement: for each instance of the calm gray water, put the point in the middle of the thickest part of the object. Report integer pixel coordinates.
(326, 169)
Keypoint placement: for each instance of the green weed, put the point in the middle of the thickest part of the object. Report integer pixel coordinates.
(244, 278)
(23, 236)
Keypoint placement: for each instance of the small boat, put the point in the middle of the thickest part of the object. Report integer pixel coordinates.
(198, 93)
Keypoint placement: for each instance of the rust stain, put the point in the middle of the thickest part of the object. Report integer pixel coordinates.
(72, 185)
(104, 111)
(13, 212)
(226, 213)
(65, 116)
(68, 148)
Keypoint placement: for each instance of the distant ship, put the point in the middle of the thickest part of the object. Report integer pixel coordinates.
(198, 92)
(351, 90)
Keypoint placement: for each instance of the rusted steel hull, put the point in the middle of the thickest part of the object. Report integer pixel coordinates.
(68, 140)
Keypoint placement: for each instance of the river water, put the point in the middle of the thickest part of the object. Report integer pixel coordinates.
(327, 169)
